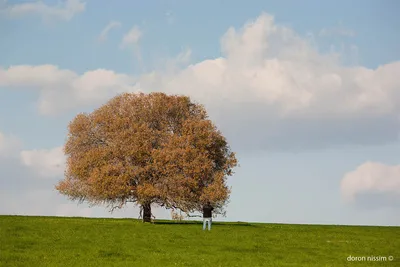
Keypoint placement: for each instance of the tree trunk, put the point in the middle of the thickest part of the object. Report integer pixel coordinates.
(146, 212)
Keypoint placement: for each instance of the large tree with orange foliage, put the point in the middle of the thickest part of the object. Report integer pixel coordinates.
(150, 149)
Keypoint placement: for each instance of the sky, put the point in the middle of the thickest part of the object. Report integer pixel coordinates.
(306, 92)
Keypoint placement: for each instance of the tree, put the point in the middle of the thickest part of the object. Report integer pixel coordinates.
(147, 149)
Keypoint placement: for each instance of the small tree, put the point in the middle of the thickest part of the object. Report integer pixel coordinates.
(147, 149)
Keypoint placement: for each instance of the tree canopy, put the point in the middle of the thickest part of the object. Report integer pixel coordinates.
(147, 149)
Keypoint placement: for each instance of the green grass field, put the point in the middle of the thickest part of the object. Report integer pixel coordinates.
(57, 241)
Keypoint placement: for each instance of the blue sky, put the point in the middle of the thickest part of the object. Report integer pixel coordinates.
(305, 91)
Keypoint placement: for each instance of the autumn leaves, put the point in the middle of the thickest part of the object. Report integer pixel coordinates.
(149, 149)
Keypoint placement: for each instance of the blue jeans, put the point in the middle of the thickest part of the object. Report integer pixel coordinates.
(205, 220)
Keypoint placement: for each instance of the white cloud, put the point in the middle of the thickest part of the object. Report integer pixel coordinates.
(371, 178)
(64, 89)
(9, 145)
(43, 76)
(270, 89)
(111, 25)
(47, 163)
(131, 38)
(63, 11)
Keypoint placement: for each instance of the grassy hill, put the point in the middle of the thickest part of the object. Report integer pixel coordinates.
(58, 241)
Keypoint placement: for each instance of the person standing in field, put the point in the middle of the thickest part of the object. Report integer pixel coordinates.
(207, 215)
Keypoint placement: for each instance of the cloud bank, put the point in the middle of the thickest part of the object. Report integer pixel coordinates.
(373, 184)
(270, 90)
